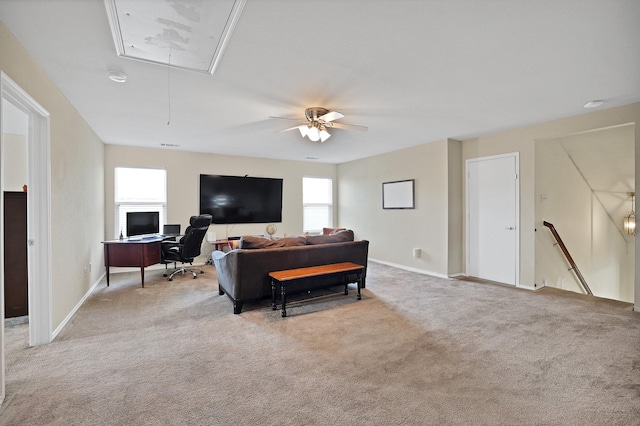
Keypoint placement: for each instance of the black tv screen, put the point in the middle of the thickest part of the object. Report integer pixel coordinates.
(238, 199)
(142, 223)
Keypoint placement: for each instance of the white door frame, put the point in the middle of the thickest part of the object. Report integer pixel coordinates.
(38, 218)
(515, 155)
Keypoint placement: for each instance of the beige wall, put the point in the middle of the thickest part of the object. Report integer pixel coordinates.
(77, 182)
(393, 234)
(183, 172)
(14, 162)
(455, 212)
(15, 126)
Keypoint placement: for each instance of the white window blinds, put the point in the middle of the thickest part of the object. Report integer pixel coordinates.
(139, 190)
(317, 198)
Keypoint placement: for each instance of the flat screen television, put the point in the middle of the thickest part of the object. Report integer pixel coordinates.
(143, 223)
(240, 199)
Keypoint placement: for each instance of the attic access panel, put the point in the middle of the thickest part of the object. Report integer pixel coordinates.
(187, 34)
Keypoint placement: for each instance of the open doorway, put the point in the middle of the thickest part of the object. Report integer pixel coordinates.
(38, 216)
(582, 186)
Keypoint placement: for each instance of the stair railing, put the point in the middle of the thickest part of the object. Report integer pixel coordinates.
(568, 256)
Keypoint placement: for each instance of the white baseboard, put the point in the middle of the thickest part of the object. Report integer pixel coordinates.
(75, 308)
(410, 269)
(531, 287)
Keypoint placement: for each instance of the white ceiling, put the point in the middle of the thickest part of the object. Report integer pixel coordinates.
(412, 71)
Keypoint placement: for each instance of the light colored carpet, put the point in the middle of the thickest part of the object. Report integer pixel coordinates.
(415, 350)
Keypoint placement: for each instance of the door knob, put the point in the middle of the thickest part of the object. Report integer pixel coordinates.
(511, 228)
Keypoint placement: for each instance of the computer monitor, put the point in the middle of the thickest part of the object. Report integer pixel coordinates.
(171, 229)
(143, 223)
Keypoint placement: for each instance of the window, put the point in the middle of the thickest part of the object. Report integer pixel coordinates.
(317, 198)
(139, 190)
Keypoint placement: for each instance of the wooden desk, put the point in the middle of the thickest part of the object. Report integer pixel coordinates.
(134, 253)
(220, 244)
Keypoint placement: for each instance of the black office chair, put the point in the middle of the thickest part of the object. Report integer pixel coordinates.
(187, 248)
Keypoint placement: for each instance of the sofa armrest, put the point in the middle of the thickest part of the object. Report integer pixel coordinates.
(226, 269)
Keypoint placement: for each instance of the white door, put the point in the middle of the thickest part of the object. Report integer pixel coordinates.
(492, 218)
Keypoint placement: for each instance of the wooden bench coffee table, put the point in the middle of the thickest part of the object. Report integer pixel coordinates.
(345, 269)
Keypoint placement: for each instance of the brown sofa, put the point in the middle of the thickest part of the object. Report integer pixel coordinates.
(243, 273)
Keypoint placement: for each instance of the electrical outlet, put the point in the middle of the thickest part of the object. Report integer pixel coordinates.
(85, 269)
(417, 253)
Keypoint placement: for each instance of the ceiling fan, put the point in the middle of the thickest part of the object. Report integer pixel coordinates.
(318, 120)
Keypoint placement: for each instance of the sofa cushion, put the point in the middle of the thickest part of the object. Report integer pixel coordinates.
(254, 242)
(293, 241)
(337, 237)
(328, 231)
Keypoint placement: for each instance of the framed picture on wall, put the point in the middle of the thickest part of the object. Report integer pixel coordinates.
(399, 194)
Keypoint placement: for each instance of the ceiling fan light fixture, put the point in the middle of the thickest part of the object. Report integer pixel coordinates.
(319, 120)
(313, 134)
(629, 223)
(324, 135)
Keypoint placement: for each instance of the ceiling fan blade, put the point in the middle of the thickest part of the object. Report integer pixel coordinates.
(291, 128)
(348, 126)
(286, 118)
(330, 116)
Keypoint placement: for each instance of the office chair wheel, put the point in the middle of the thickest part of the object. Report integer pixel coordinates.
(170, 279)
